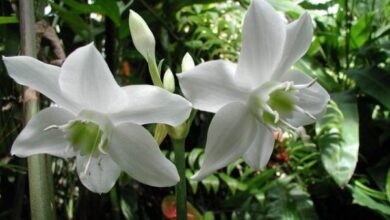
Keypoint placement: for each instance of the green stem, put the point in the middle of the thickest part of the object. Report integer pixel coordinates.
(114, 203)
(181, 191)
(39, 175)
(154, 73)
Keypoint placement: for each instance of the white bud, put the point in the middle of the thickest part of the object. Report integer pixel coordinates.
(187, 63)
(142, 36)
(169, 81)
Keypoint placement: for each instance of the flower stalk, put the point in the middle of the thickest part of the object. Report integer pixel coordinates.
(39, 173)
(181, 191)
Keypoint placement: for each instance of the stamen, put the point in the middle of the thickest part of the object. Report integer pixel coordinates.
(87, 165)
(268, 109)
(51, 127)
(298, 108)
(101, 145)
(307, 85)
(60, 127)
(288, 125)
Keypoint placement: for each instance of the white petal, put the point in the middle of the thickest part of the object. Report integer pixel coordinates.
(230, 134)
(312, 99)
(259, 153)
(151, 104)
(298, 39)
(142, 36)
(86, 79)
(40, 76)
(99, 173)
(263, 37)
(136, 152)
(210, 85)
(35, 140)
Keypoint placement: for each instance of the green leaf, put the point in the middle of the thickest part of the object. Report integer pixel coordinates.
(75, 22)
(111, 9)
(374, 82)
(338, 137)
(360, 197)
(233, 183)
(8, 20)
(211, 182)
(360, 32)
(193, 156)
(194, 184)
(287, 200)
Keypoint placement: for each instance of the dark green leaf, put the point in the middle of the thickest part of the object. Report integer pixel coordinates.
(374, 82)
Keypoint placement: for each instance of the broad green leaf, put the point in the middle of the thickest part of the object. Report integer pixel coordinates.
(8, 20)
(360, 32)
(374, 82)
(111, 9)
(339, 138)
(360, 197)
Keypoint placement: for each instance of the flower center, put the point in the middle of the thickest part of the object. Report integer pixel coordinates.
(272, 102)
(88, 134)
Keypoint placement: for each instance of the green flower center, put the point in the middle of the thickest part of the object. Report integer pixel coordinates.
(86, 137)
(272, 102)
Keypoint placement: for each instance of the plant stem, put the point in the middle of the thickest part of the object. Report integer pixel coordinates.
(114, 203)
(181, 191)
(39, 175)
(154, 73)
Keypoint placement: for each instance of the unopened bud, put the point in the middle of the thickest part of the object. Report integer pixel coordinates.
(169, 81)
(142, 36)
(187, 63)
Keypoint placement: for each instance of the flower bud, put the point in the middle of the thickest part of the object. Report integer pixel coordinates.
(142, 36)
(169, 81)
(187, 63)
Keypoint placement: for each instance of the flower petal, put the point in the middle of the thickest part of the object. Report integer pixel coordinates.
(210, 85)
(35, 140)
(86, 78)
(312, 99)
(298, 39)
(39, 76)
(151, 104)
(136, 152)
(230, 134)
(263, 36)
(259, 153)
(98, 174)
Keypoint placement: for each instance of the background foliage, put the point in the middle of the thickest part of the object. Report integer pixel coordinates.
(335, 169)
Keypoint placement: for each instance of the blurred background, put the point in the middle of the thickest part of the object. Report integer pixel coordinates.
(337, 168)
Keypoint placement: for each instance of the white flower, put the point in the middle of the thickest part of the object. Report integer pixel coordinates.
(97, 121)
(258, 95)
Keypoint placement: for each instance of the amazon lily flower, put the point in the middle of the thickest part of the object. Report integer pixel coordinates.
(97, 121)
(257, 96)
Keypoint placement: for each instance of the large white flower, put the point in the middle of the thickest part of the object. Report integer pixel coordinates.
(97, 121)
(258, 95)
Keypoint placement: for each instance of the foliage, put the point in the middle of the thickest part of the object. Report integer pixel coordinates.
(336, 169)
